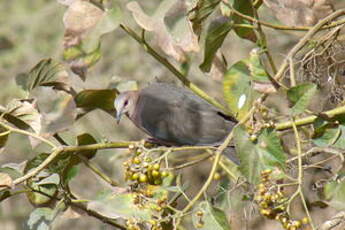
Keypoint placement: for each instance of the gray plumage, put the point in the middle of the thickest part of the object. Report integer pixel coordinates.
(174, 115)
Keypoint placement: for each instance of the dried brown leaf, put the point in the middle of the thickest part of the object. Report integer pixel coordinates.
(173, 31)
(23, 114)
(5, 181)
(80, 18)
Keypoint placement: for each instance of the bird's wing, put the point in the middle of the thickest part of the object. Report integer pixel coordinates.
(177, 116)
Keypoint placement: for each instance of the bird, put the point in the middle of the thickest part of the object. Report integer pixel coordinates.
(174, 116)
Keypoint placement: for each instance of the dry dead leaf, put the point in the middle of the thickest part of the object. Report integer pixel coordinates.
(300, 12)
(6, 181)
(79, 19)
(176, 45)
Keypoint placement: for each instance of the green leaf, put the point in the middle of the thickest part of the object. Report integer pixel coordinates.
(44, 193)
(71, 173)
(120, 205)
(40, 219)
(52, 179)
(245, 8)
(335, 193)
(216, 33)
(333, 136)
(264, 153)
(238, 90)
(91, 99)
(86, 139)
(300, 97)
(213, 218)
(200, 13)
(47, 72)
(12, 169)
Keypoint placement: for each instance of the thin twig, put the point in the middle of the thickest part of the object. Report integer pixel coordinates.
(20, 131)
(310, 119)
(300, 175)
(39, 168)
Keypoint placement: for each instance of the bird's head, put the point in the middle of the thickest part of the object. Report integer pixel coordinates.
(125, 104)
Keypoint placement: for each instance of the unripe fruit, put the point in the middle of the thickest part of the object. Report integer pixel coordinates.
(156, 166)
(142, 178)
(155, 174)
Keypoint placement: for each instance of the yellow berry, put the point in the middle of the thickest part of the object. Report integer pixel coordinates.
(152, 222)
(165, 174)
(155, 173)
(136, 160)
(142, 178)
(156, 166)
(199, 213)
(135, 176)
(253, 137)
(297, 223)
(305, 220)
(216, 176)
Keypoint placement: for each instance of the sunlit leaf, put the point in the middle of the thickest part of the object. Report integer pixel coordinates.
(5, 180)
(92, 99)
(52, 179)
(43, 193)
(172, 29)
(238, 90)
(200, 13)
(47, 72)
(23, 114)
(300, 97)
(256, 155)
(216, 33)
(212, 218)
(40, 219)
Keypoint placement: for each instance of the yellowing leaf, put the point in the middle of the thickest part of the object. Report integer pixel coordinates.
(238, 90)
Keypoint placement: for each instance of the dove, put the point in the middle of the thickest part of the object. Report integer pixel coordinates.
(174, 116)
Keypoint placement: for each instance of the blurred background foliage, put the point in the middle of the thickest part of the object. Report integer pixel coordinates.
(33, 30)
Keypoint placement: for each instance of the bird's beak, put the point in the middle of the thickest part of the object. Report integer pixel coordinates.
(118, 116)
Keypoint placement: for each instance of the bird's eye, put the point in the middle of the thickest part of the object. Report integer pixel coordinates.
(126, 103)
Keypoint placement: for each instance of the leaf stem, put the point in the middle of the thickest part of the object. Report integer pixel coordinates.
(20, 131)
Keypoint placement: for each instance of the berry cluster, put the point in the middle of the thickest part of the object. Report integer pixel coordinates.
(141, 169)
(273, 203)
